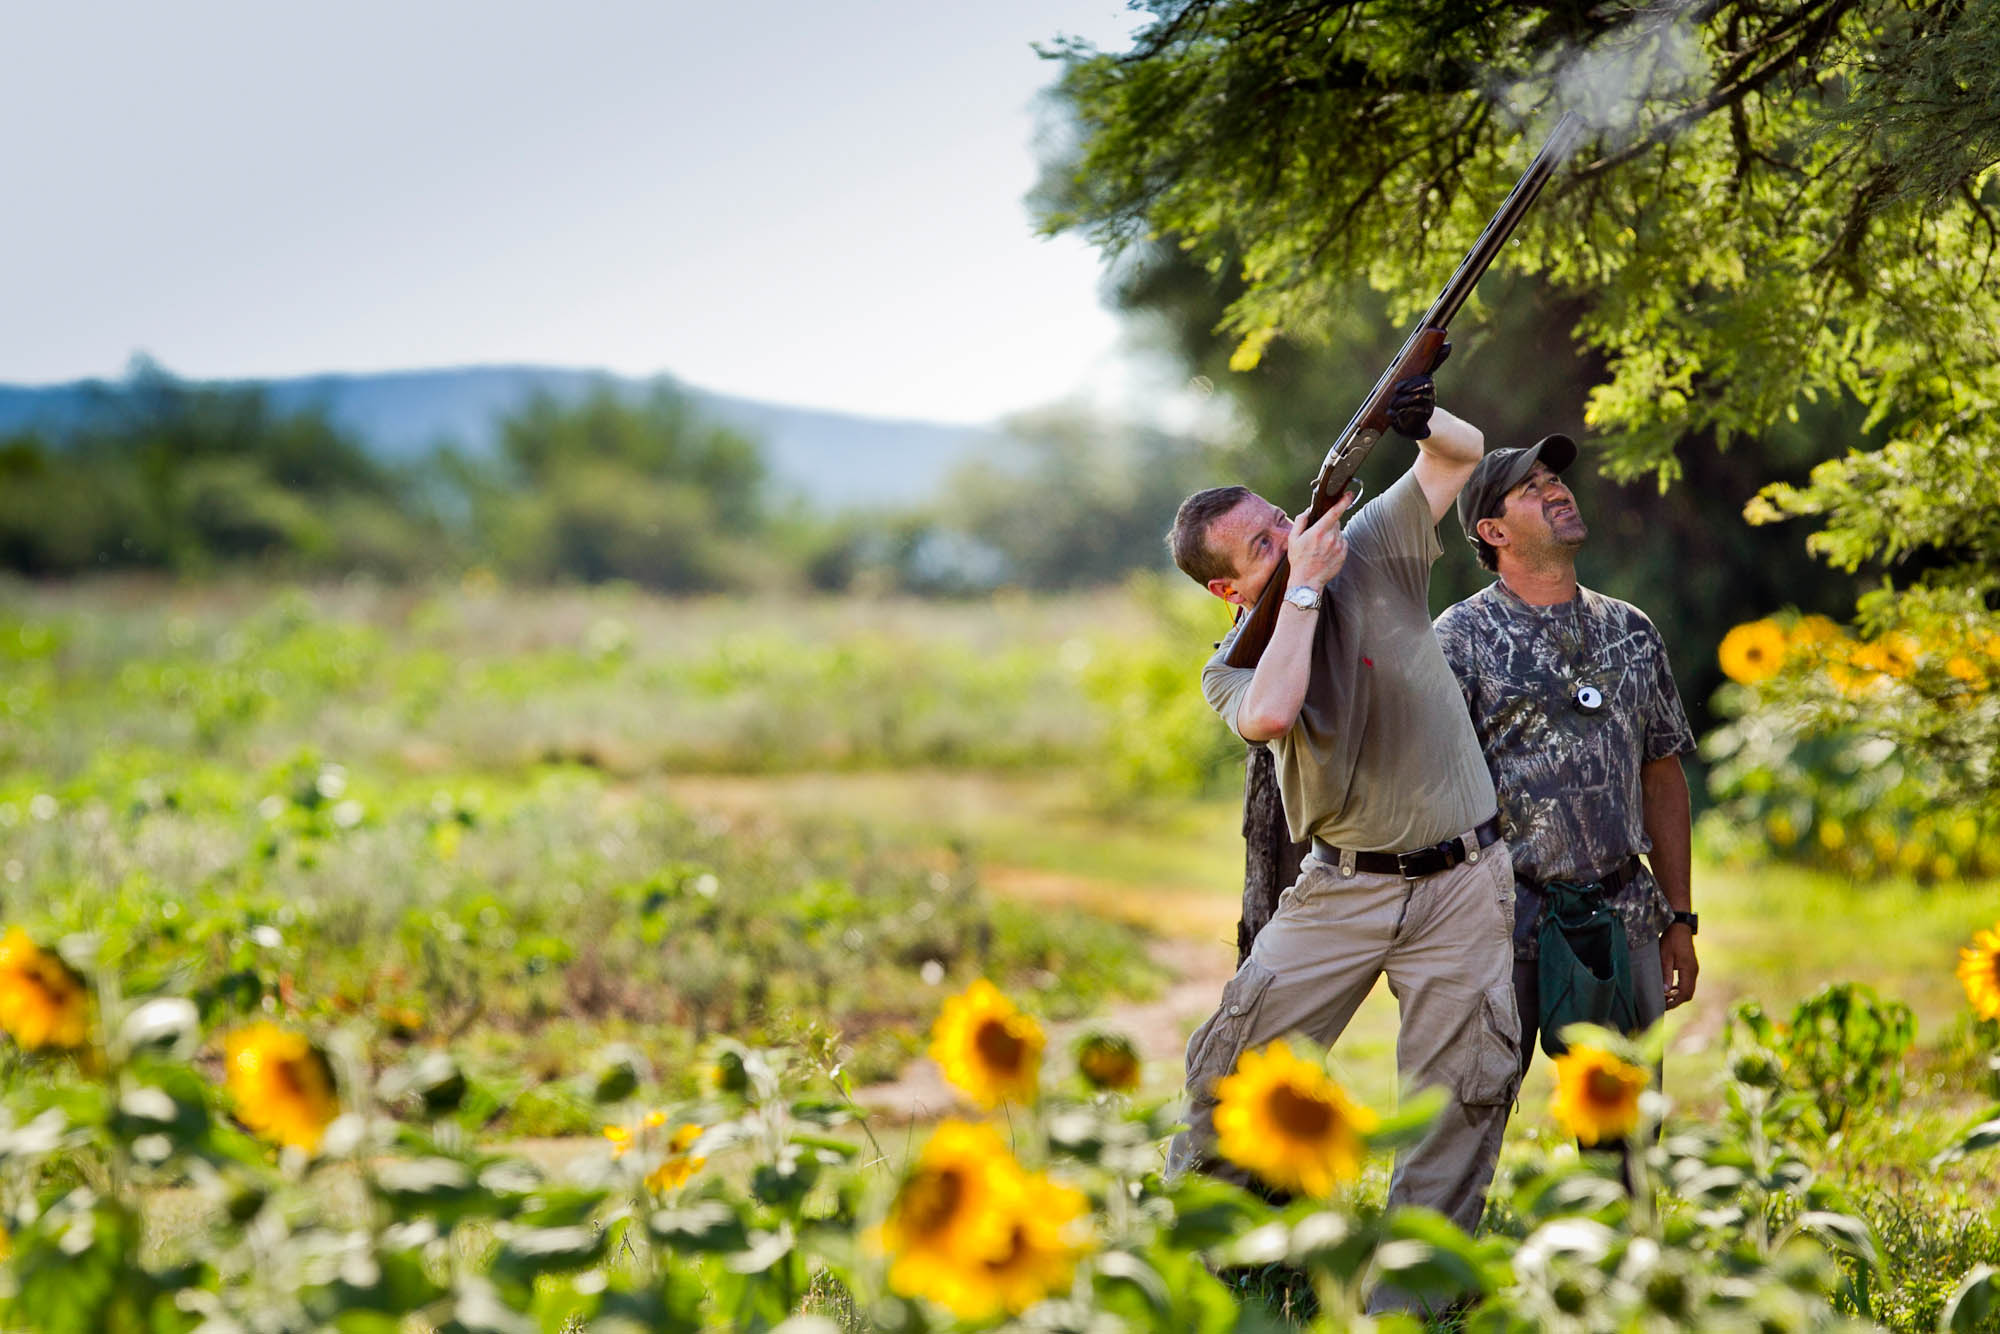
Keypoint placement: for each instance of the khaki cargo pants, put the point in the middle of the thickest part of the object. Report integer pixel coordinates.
(1445, 942)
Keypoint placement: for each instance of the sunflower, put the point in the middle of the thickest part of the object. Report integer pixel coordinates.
(1979, 970)
(1281, 1117)
(679, 1166)
(43, 1003)
(1597, 1095)
(987, 1047)
(1752, 652)
(1810, 631)
(1107, 1061)
(1038, 1257)
(953, 1214)
(1892, 656)
(281, 1083)
(622, 1138)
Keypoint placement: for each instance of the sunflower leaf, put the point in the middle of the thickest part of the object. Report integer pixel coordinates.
(1408, 1125)
(1985, 1135)
(1976, 1302)
(1208, 1212)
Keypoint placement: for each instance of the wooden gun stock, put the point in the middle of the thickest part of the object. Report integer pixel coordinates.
(1418, 355)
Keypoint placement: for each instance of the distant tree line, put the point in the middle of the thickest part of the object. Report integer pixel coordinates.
(190, 479)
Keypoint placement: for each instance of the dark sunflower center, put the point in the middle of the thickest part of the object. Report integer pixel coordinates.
(931, 1198)
(1000, 1049)
(290, 1077)
(1017, 1247)
(1299, 1116)
(1605, 1088)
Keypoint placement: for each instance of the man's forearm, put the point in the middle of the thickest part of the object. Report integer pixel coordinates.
(1445, 458)
(1453, 440)
(1665, 812)
(1278, 689)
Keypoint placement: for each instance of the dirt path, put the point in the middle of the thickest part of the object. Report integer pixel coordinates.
(1196, 965)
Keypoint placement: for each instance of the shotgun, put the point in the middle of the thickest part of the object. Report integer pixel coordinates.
(1418, 357)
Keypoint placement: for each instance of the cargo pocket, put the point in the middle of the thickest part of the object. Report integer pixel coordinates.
(1495, 1068)
(1213, 1049)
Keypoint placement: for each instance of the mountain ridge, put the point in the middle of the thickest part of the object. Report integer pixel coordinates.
(833, 459)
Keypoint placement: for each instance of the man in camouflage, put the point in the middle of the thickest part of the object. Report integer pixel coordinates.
(1581, 725)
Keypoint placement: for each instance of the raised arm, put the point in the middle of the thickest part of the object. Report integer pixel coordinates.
(1445, 458)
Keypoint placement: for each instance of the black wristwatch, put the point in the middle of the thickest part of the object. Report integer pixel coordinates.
(1692, 921)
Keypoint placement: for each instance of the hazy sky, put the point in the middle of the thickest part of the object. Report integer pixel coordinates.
(806, 202)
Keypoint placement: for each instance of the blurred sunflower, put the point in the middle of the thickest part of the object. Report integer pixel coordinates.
(1281, 1117)
(43, 1002)
(1979, 970)
(988, 1047)
(282, 1085)
(953, 1214)
(679, 1166)
(1810, 631)
(1038, 1257)
(1892, 655)
(1597, 1095)
(1752, 652)
(1108, 1061)
(623, 1138)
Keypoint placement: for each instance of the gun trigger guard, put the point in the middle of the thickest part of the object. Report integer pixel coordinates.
(1353, 492)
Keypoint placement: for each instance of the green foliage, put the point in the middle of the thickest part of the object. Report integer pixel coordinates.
(1780, 206)
(607, 488)
(751, 1200)
(1159, 735)
(1808, 767)
(1843, 1048)
(245, 803)
(1082, 502)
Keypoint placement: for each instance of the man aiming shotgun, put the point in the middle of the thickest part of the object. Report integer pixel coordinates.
(1336, 668)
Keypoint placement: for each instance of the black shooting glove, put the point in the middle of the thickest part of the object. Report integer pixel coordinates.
(1411, 403)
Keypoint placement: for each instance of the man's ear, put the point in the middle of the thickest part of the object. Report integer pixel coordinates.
(1226, 590)
(1492, 532)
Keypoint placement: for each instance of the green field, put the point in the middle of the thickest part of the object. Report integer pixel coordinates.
(522, 827)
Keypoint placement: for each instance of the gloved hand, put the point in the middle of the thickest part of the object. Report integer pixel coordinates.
(1410, 405)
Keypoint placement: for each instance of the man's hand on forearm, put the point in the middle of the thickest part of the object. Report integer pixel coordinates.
(1315, 554)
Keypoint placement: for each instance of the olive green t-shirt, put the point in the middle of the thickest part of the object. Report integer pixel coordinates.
(1382, 757)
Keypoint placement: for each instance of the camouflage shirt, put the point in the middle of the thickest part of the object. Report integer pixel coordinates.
(1568, 778)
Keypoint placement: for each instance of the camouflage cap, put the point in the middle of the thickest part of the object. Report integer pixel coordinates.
(1485, 492)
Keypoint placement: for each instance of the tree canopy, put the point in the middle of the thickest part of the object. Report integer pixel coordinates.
(1779, 205)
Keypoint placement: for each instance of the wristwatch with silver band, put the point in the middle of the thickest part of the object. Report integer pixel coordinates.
(1303, 596)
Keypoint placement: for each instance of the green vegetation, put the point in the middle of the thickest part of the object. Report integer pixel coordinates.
(527, 864)
(424, 816)
(1784, 213)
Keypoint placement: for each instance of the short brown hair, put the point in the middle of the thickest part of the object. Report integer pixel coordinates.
(1188, 538)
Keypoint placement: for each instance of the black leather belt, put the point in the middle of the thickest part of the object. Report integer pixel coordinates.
(1625, 873)
(1415, 863)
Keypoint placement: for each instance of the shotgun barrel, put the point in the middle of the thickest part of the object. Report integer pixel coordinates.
(1417, 357)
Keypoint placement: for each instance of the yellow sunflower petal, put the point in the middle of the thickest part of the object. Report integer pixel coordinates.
(987, 1047)
(1752, 652)
(1597, 1095)
(1979, 973)
(1281, 1117)
(282, 1085)
(44, 1004)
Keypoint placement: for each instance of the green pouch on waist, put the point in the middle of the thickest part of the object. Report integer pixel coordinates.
(1585, 972)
